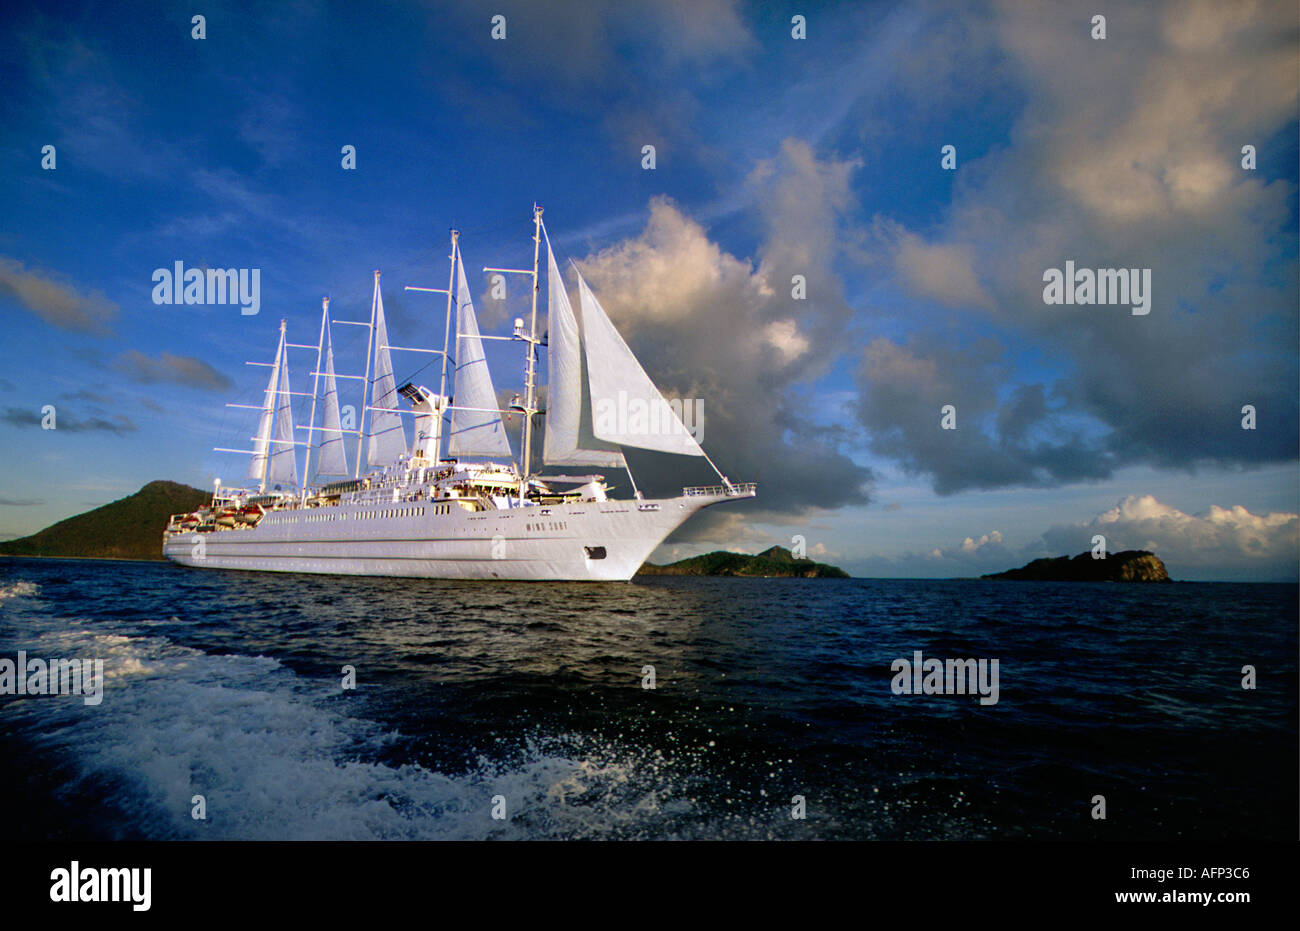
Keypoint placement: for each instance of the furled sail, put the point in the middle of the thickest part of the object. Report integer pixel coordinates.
(257, 467)
(386, 433)
(283, 469)
(569, 439)
(626, 407)
(476, 428)
(333, 457)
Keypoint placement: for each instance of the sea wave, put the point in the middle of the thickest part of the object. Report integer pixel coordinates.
(19, 589)
(277, 756)
(227, 686)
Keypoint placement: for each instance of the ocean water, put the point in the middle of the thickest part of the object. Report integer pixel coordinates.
(229, 685)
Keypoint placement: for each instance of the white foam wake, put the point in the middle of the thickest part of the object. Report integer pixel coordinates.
(277, 756)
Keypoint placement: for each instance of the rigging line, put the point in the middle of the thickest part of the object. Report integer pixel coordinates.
(410, 377)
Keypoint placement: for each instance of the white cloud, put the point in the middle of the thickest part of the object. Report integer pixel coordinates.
(970, 545)
(973, 556)
(785, 336)
(1224, 542)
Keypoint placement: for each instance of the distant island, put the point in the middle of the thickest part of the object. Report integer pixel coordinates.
(1128, 566)
(129, 528)
(775, 562)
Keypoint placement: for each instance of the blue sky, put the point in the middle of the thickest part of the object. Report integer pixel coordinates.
(775, 157)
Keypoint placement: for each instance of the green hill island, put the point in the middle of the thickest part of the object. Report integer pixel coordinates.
(776, 562)
(1128, 566)
(129, 528)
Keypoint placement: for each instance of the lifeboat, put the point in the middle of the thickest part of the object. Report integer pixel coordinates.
(250, 515)
(226, 517)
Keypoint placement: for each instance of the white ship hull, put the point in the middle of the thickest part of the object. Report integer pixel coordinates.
(582, 541)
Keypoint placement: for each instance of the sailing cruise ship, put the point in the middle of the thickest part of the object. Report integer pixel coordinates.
(458, 503)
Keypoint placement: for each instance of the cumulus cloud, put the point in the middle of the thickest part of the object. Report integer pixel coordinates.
(1125, 154)
(973, 555)
(709, 325)
(784, 335)
(58, 304)
(1223, 542)
(1021, 440)
(970, 545)
(944, 272)
(180, 370)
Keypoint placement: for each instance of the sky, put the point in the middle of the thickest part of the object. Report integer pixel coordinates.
(775, 157)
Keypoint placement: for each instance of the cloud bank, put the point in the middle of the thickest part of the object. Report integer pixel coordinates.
(1126, 153)
(1223, 542)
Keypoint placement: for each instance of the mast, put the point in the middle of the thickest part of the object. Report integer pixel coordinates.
(441, 407)
(529, 337)
(365, 383)
(446, 338)
(530, 387)
(315, 389)
(446, 344)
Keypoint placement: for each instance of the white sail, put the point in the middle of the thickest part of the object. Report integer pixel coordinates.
(257, 468)
(283, 469)
(569, 439)
(387, 435)
(333, 457)
(475, 432)
(626, 407)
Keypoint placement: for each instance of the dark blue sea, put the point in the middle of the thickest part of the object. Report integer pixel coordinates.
(228, 685)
